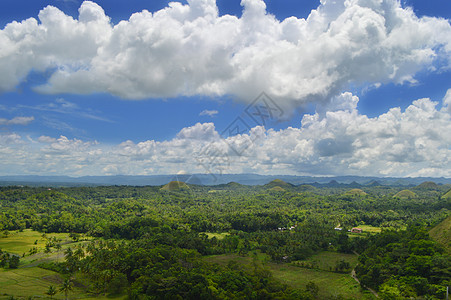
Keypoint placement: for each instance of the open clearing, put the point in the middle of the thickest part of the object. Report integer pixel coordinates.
(327, 260)
(219, 236)
(370, 229)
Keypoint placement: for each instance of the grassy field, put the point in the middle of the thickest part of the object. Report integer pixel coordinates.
(29, 280)
(22, 242)
(327, 260)
(330, 284)
(370, 229)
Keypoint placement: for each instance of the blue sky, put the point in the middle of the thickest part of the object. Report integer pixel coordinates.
(88, 91)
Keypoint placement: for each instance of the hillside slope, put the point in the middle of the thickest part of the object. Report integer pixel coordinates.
(442, 233)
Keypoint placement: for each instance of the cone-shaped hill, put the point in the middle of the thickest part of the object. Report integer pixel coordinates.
(355, 192)
(231, 186)
(427, 185)
(175, 186)
(278, 183)
(405, 194)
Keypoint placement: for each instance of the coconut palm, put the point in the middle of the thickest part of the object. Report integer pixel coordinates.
(51, 291)
(66, 287)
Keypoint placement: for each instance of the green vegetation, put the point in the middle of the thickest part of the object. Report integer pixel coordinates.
(406, 264)
(276, 241)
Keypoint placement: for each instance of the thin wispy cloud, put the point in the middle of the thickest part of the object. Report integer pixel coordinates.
(62, 106)
(17, 121)
(210, 113)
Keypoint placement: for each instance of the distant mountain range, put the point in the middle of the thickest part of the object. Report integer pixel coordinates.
(208, 179)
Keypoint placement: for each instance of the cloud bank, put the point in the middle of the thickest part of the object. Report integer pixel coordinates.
(191, 50)
(413, 142)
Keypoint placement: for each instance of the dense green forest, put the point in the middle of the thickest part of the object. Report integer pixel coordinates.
(162, 242)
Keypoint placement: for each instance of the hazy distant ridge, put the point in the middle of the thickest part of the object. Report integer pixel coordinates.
(207, 179)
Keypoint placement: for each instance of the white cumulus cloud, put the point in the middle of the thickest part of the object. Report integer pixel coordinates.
(188, 49)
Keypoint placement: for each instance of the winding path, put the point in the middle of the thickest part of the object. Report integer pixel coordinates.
(353, 275)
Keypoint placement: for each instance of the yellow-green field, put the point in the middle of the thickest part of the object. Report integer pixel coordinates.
(370, 229)
(22, 242)
(29, 280)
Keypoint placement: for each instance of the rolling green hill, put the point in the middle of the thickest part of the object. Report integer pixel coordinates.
(428, 185)
(175, 186)
(405, 194)
(355, 192)
(278, 183)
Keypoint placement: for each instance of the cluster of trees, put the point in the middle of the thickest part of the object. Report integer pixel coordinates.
(140, 267)
(405, 263)
(8, 260)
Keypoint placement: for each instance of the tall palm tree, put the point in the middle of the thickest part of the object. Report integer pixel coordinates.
(66, 287)
(51, 291)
